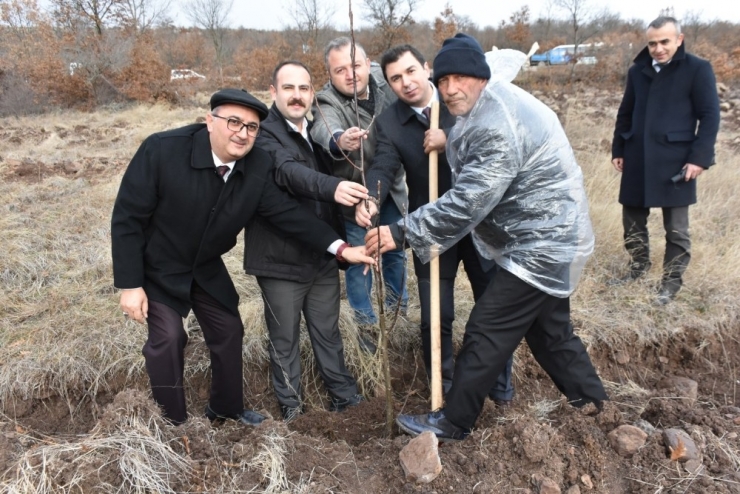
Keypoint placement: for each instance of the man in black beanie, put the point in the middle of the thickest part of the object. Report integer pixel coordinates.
(518, 189)
(184, 198)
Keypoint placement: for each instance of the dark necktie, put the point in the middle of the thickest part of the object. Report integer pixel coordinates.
(221, 170)
(427, 113)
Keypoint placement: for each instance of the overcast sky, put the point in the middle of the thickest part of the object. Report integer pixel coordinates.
(274, 14)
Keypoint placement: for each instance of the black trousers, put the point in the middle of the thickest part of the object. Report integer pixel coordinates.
(508, 311)
(318, 300)
(479, 279)
(165, 361)
(677, 241)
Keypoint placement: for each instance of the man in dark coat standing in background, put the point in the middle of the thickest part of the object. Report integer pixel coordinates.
(660, 151)
(404, 143)
(184, 198)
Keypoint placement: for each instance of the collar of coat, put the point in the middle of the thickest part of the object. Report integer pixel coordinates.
(645, 58)
(405, 114)
(202, 158)
(275, 119)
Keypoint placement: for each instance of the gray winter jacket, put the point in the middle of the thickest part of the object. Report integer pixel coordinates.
(337, 114)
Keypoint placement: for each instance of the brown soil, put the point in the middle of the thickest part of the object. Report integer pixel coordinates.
(510, 449)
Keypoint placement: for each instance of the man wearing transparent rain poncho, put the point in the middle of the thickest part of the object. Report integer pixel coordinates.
(519, 190)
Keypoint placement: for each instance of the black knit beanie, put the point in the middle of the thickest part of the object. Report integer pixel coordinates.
(461, 55)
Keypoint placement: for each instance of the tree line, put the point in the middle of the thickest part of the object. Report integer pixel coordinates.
(85, 53)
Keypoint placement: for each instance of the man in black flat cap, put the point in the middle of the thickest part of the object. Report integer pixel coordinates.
(184, 198)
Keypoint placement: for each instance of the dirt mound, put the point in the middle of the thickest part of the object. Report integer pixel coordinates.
(538, 442)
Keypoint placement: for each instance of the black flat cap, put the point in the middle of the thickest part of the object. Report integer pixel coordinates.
(239, 97)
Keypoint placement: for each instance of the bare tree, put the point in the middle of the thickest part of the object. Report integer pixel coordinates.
(693, 25)
(391, 17)
(211, 16)
(97, 13)
(312, 19)
(141, 15)
(584, 23)
(579, 13)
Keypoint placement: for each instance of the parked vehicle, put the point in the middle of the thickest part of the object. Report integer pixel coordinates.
(564, 54)
(185, 74)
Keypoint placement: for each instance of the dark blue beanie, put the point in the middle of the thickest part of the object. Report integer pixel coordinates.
(461, 55)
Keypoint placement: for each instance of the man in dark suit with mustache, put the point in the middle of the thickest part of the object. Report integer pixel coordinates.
(295, 280)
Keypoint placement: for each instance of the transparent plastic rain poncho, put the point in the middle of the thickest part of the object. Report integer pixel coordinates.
(517, 188)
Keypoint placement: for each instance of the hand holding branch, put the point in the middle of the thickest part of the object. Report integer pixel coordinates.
(352, 138)
(349, 193)
(364, 213)
(135, 304)
(382, 234)
(357, 255)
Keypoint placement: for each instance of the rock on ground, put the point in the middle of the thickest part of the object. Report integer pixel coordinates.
(420, 458)
(680, 445)
(627, 439)
(683, 387)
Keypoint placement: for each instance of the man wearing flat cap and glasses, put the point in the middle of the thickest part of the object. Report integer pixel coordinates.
(184, 198)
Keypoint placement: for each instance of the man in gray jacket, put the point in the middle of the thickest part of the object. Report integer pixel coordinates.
(337, 130)
(520, 192)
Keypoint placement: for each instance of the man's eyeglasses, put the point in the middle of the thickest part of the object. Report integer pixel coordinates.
(235, 125)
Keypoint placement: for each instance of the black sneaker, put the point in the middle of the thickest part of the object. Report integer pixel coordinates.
(341, 404)
(246, 417)
(435, 422)
(290, 413)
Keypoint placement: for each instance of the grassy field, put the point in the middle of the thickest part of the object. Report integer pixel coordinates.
(64, 343)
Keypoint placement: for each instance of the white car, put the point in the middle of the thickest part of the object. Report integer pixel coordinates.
(184, 74)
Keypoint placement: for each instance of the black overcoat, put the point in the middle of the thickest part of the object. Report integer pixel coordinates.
(656, 130)
(400, 132)
(174, 217)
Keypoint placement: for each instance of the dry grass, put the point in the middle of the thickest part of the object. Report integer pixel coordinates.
(59, 308)
(62, 334)
(708, 302)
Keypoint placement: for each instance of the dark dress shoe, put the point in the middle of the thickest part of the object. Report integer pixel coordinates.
(634, 274)
(665, 296)
(290, 413)
(366, 343)
(246, 417)
(341, 404)
(434, 422)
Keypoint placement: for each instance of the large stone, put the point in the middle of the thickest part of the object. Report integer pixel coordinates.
(573, 489)
(420, 458)
(680, 446)
(545, 485)
(627, 439)
(682, 387)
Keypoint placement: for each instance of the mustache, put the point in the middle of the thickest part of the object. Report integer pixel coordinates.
(295, 101)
